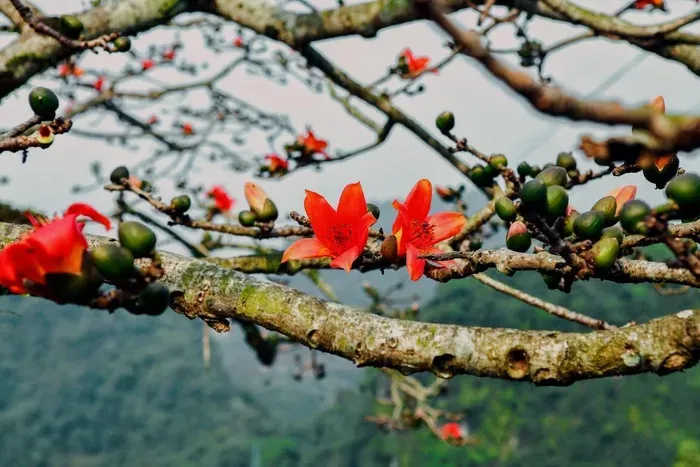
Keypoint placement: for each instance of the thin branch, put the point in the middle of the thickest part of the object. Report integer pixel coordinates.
(552, 309)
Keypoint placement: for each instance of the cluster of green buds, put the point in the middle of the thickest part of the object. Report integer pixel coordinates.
(115, 263)
(483, 175)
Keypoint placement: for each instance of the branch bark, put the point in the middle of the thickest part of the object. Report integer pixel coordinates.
(33, 53)
(209, 292)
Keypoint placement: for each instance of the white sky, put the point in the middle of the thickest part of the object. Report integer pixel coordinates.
(491, 117)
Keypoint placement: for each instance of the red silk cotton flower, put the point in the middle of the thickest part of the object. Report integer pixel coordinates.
(312, 145)
(451, 430)
(413, 66)
(340, 235)
(276, 164)
(53, 247)
(417, 233)
(222, 200)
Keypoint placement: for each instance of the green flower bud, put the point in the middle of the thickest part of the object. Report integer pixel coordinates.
(633, 214)
(557, 201)
(533, 194)
(524, 169)
(685, 191)
(566, 161)
(505, 208)
(498, 160)
(553, 176)
(113, 261)
(480, 177)
(247, 218)
(268, 213)
(608, 206)
(137, 238)
(118, 174)
(567, 229)
(71, 26)
(589, 225)
(122, 44)
(44, 103)
(613, 232)
(181, 204)
(445, 122)
(154, 299)
(605, 252)
(374, 209)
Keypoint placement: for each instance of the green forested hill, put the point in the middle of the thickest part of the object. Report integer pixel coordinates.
(82, 388)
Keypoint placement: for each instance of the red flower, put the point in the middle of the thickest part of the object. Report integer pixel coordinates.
(340, 235)
(655, 4)
(311, 145)
(417, 233)
(451, 430)
(55, 246)
(187, 129)
(238, 41)
(222, 200)
(147, 64)
(169, 55)
(152, 120)
(276, 164)
(99, 83)
(63, 70)
(414, 66)
(66, 69)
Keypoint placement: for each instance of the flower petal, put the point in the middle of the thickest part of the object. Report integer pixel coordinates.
(360, 230)
(17, 264)
(446, 225)
(352, 205)
(402, 225)
(345, 260)
(321, 214)
(59, 246)
(419, 199)
(306, 248)
(415, 265)
(82, 209)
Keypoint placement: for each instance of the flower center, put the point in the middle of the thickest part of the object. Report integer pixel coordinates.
(421, 233)
(339, 235)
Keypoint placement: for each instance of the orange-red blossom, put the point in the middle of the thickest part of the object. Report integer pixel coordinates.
(415, 65)
(53, 247)
(339, 234)
(276, 164)
(417, 232)
(451, 430)
(222, 201)
(312, 145)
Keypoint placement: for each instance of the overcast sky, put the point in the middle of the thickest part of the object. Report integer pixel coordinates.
(488, 114)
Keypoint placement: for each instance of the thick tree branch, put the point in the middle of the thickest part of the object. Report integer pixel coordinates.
(32, 53)
(206, 291)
